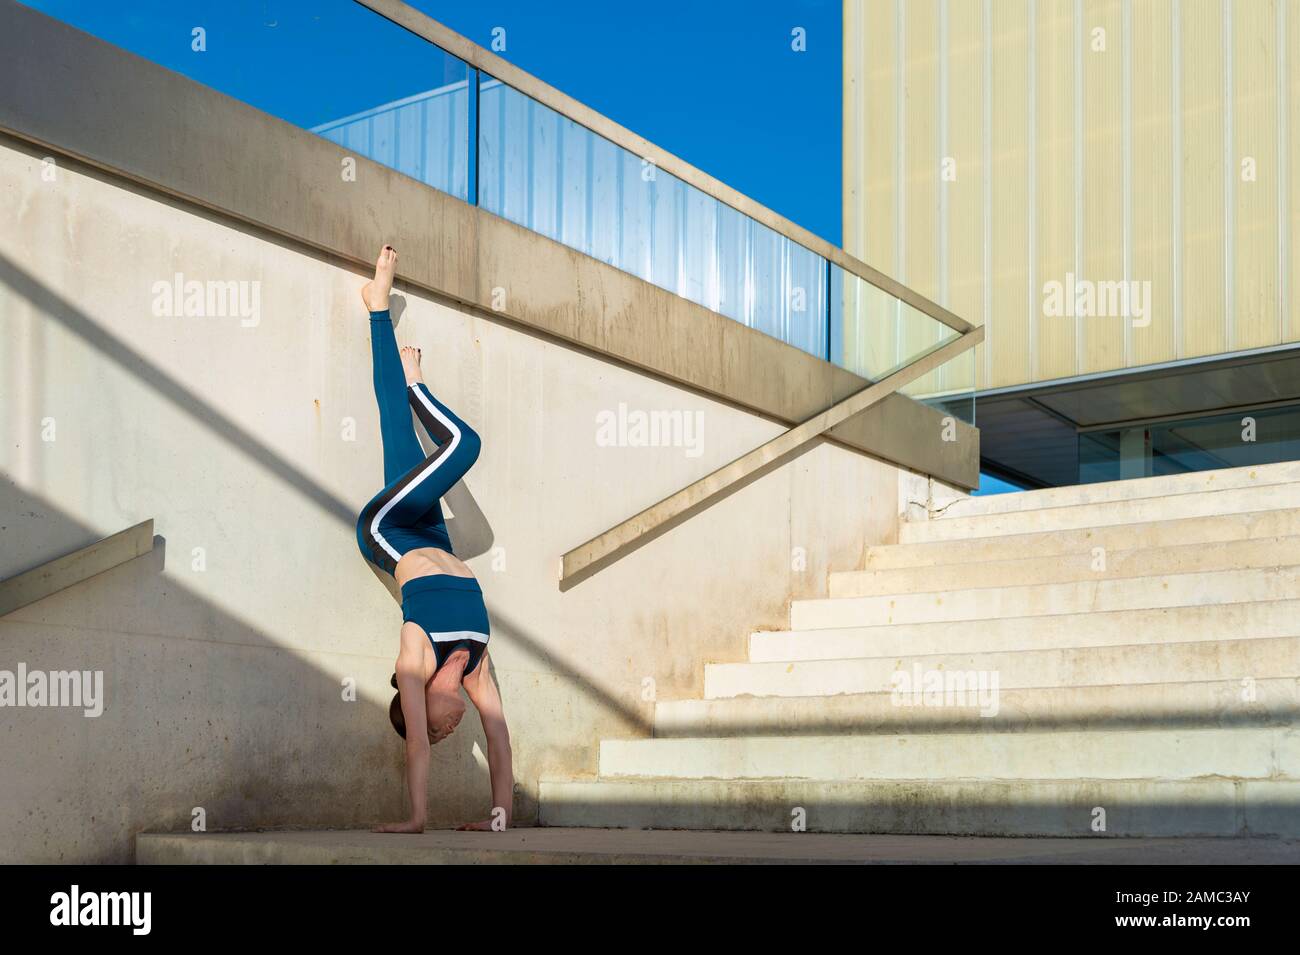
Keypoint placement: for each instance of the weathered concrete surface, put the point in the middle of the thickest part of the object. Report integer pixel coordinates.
(1106, 513)
(1186, 624)
(125, 114)
(1024, 545)
(1238, 752)
(1071, 597)
(230, 651)
(640, 847)
(1206, 659)
(1131, 563)
(1257, 475)
(1203, 703)
(1022, 807)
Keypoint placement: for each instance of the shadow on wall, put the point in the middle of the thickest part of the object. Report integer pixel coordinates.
(55, 308)
(200, 710)
(468, 514)
(168, 388)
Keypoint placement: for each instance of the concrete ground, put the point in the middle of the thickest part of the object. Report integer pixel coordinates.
(634, 846)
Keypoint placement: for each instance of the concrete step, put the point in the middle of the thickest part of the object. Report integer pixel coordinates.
(1195, 807)
(1166, 486)
(1192, 530)
(1211, 703)
(984, 603)
(1243, 500)
(1268, 618)
(1098, 563)
(1236, 753)
(567, 846)
(1017, 669)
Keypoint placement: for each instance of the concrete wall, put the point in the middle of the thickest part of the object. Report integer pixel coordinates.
(224, 685)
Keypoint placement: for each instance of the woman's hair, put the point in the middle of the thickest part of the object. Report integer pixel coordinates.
(395, 715)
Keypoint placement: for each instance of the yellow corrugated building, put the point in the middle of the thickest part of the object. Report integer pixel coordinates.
(1105, 185)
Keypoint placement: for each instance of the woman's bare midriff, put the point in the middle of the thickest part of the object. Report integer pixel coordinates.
(427, 561)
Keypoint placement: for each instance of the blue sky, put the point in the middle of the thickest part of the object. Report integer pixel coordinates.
(715, 82)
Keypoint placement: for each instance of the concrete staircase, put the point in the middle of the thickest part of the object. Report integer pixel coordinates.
(1137, 645)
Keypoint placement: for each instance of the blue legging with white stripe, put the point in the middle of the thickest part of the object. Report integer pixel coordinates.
(406, 514)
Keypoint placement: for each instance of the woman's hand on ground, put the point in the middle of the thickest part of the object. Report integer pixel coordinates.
(484, 826)
(409, 826)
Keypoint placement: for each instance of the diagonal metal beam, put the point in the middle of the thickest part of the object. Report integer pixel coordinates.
(600, 550)
(70, 569)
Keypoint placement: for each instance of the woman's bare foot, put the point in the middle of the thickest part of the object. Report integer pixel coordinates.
(375, 292)
(411, 364)
(408, 826)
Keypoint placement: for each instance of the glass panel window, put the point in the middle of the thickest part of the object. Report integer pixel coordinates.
(1234, 440)
(554, 176)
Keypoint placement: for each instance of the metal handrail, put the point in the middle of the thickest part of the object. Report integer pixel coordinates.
(476, 56)
(599, 551)
(60, 573)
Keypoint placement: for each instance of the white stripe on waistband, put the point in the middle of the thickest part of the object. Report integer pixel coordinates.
(451, 636)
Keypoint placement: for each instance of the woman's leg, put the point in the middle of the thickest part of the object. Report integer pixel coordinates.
(411, 501)
(402, 449)
(445, 427)
(420, 489)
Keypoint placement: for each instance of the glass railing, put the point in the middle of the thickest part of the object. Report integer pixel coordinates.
(381, 91)
(543, 171)
(422, 136)
(874, 334)
(950, 388)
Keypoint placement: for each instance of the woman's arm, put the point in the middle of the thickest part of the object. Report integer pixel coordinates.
(482, 691)
(410, 684)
